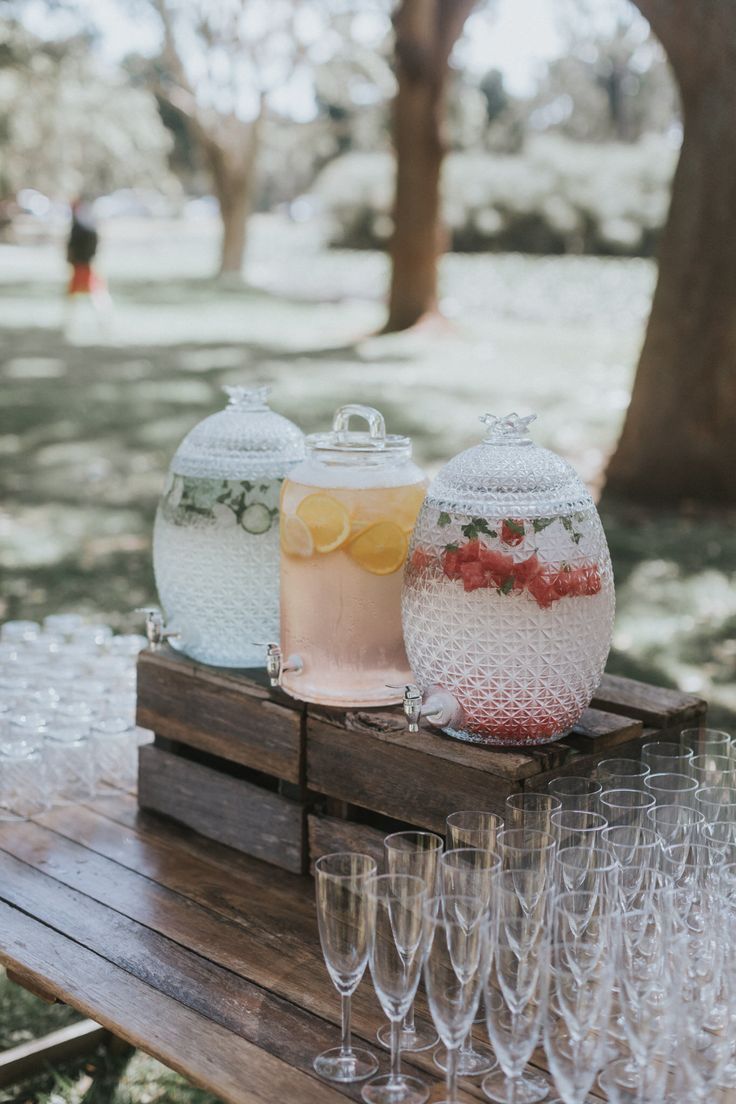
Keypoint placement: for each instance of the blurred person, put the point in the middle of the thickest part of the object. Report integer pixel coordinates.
(80, 253)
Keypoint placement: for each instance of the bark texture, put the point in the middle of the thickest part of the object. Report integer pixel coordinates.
(679, 439)
(426, 31)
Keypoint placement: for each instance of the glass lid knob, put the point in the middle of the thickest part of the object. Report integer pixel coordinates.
(247, 398)
(510, 429)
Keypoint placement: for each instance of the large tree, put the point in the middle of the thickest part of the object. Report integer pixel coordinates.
(222, 61)
(426, 32)
(678, 442)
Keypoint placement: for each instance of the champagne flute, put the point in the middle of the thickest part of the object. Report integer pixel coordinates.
(473, 828)
(395, 954)
(531, 810)
(344, 916)
(417, 854)
(454, 967)
(576, 792)
(467, 872)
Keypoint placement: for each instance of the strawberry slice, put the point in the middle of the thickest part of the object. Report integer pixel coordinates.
(541, 588)
(470, 551)
(498, 565)
(473, 576)
(589, 580)
(451, 564)
(525, 570)
(512, 531)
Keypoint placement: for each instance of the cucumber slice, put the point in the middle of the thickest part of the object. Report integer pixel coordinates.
(256, 518)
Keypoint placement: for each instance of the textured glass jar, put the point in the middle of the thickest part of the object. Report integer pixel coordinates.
(215, 540)
(347, 513)
(508, 596)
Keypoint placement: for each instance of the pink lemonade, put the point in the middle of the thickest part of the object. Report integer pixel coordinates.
(343, 553)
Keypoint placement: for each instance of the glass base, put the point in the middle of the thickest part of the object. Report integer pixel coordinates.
(333, 1065)
(424, 1037)
(472, 1062)
(528, 1089)
(382, 1090)
(502, 741)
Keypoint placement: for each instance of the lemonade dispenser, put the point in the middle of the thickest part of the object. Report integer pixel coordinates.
(347, 513)
(215, 540)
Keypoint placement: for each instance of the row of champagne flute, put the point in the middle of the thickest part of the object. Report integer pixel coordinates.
(555, 929)
(67, 713)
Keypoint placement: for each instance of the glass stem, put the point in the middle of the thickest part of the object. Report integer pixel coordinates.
(511, 1086)
(467, 1043)
(346, 1050)
(452, 1056)
(409, 1020)
(395, 1078)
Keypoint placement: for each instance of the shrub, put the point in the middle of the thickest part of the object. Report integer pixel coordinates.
(555, 196)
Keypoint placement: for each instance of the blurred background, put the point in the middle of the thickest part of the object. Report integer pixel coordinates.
(437, 207)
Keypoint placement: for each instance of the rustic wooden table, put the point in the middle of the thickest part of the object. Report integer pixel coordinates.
(203, 957)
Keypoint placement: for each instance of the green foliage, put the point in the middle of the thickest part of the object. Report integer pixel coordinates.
(556, 196)
(69, 125)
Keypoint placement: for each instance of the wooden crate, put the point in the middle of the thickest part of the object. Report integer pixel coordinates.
(250, 767)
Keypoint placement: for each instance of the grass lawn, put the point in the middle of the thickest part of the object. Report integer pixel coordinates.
(89, 422)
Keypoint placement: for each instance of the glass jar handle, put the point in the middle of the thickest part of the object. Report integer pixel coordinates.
(374, 418)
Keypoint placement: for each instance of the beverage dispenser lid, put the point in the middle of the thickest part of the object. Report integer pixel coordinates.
(370, 444)
(507, 473)
(245, 439)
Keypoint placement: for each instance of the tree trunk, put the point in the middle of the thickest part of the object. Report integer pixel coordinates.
(231, 155)
(234, 199)
(426, 30)
(678, 443)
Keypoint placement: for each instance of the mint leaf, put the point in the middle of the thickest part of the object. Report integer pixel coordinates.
(541, 523)
(443, 520)
(507, 585)
(567, 522)
(469, 531)
(481, 525)
(451, 548)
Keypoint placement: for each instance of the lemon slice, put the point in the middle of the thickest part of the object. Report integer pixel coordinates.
(327, 520)
(408, 508)
(380, 549)
(296, 538)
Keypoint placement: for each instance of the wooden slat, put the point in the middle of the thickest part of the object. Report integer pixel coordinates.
(29, 1059)
(378, 771)
(598, 731)
(217, 1060)
(224, 713)
(656, 706)
(328, 834)
(230, 810)
(389, 728)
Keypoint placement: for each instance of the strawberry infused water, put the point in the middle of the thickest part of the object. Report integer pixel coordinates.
(508, 597)
(347, 514)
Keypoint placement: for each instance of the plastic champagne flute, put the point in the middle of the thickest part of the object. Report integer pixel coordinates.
(345, 918)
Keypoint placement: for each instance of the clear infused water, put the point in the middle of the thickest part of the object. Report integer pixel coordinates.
(216, 558)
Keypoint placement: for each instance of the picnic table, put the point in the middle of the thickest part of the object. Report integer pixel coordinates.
(205, 958)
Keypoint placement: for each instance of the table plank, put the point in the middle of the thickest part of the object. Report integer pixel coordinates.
(87, 862)
(227, 1065)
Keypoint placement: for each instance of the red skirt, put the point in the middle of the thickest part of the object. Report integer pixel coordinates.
(84, 281)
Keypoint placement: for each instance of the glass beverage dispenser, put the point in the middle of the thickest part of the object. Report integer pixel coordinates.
(215, 540)
(508, 598)
(347, 513)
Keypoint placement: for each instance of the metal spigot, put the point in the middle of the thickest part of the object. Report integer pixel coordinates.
(439, 707)
(156, 631)
(412, 703)
(275, 666)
